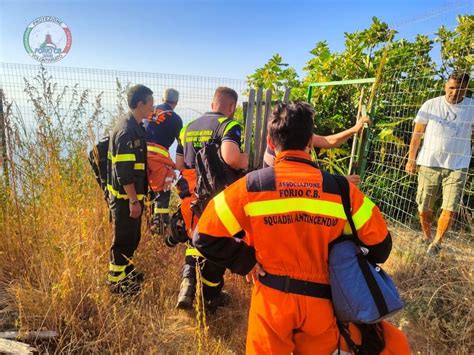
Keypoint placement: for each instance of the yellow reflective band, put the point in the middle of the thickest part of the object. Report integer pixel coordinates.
(230, 126)
(116, 268)
(161, 210)
(121, 157)
(209, 283)
(157, 150)
(347, 229)
(221, 119)
(363, 214)
(327, 208)
(139, 166)
(183, 131)
(225, 214)
(117, 278)
(117, 194)
(193, 252)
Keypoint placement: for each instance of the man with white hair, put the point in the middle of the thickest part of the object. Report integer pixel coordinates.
(162, 129)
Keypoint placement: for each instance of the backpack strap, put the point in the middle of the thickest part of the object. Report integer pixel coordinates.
(220, 129)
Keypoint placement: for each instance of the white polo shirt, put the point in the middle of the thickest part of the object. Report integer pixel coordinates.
(447, 139)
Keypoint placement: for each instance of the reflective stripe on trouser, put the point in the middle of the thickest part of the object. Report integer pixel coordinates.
(212, 275)
(161, 203)
(126, 233)
(117, 272)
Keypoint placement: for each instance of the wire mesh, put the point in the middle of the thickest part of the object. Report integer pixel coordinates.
(412, 75)
(110, 86)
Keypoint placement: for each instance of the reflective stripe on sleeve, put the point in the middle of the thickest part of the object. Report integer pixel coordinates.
(225, 214)
(364, 213)
(121, 157)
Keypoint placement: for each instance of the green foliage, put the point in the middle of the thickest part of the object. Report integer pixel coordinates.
(274, 75)
(409, 77)
(457, 47)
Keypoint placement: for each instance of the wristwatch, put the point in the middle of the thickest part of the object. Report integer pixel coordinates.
(133, 201)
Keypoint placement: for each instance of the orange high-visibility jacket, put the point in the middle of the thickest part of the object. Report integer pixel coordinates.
(289, 214)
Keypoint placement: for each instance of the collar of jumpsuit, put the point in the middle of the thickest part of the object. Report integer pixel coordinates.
(292, 153)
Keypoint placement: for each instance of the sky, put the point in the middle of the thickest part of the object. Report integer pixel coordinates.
(217, 38)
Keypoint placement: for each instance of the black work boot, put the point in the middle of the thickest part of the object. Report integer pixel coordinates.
(130, 285)
(126, 287)
(134, 275)
(221, 300)
(186, 294)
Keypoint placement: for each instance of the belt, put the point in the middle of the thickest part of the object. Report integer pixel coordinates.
(300, 287)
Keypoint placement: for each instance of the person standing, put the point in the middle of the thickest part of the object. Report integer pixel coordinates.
(290, 214)
(446, 124)
(127, 186)
(162, 129)
(193, 137)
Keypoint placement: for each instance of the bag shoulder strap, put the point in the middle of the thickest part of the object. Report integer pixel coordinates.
(346, 203)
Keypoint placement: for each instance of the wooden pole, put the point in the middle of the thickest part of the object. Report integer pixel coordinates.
(286, 97)
(258, 128)
(263, 140)
(354, 140)
(249, 122)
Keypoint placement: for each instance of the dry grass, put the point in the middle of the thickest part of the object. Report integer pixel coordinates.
(438, 292)
(54, 245)
(54, 255)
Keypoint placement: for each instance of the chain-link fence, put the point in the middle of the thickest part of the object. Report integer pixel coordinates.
(410, 74)
(107, 89)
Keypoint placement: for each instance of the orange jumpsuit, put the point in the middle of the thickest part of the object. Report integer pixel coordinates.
(290, 214)
(190, 176)
(160, 167)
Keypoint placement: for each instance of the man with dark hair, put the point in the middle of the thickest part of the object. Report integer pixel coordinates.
(445, 123)
(127, 186)
(290, 213)
(162, 129)
(193, 137)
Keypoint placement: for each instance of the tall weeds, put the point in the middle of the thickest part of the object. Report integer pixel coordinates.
(55, 238)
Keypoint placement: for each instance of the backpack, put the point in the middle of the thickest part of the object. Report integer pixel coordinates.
(361, 291)
(212, 174)
(98, 161)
